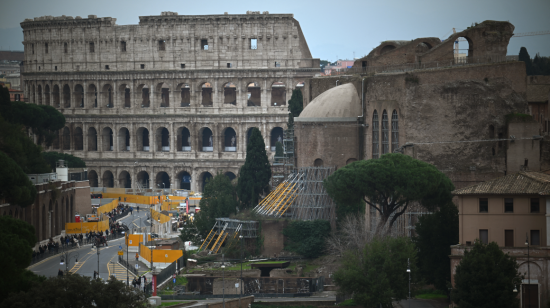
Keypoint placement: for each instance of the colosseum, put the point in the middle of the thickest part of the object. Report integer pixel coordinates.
(171, 101)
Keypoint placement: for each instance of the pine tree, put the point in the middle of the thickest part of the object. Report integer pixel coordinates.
(255, 173)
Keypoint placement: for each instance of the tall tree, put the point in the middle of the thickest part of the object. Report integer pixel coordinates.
(255, 173)
(15, 186)
(486, 278)
(524, 56)
(296, 103)
(16, 241)
(307, 238)
(218, 200)
(389, 185)
(377, 274)
(72, 161)
(435, 234)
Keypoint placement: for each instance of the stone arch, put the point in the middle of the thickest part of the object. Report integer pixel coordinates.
(387, 48)
(66, 96)
(143, 178)
(162, 138)
(276, 136)
(92, 139)
(163, 89)
(39, 93)
(123, 139)
(254, 94)
(92, 178)
(229, 141)
(206, 94)
(55, 94)
(463, 49)
(124, 93)
(47, 94)
(206, 141)
(185, 94)
(92, 94)
(162, 177)
(107, 96)
(184, 179)
(108, 179)
(107, 139)
(145, 92)
(318, 163)
(204, 178)
(350, 160)
(66, 138)
(423, 47)
(230, 93)
(183, 139)
(278, 94)
(142, 139)
(230, 175)
(79, 95)
(124, 179)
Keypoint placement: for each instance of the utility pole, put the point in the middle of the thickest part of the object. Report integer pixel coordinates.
(127, 263)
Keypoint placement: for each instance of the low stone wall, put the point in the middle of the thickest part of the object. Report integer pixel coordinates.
(233, 303)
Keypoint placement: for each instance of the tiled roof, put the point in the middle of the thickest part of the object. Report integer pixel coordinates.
(524, 182)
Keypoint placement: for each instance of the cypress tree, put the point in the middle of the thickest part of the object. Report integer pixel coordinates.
(524, 56)
(255, 173)
(296, 103)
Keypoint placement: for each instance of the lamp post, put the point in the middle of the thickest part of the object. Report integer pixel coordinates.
(223, 281)
(65, 257)
(409, 271)
(528, 271)
(98, 261)
(127, 263)
(241, 293)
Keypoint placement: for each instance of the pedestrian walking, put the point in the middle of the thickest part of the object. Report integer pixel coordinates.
(96, 275)
(137, 257)
(138, 208)
(60, 273)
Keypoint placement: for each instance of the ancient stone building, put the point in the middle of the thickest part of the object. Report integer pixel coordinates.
(168, 102)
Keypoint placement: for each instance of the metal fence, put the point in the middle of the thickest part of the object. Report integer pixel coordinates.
(165, 274)
(127, 265)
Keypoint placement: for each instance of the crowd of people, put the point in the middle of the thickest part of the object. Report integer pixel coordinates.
(140, 282)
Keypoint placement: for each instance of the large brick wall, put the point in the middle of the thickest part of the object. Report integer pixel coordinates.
(272, 232)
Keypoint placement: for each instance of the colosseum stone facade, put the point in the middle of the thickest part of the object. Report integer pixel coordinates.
(168, 102)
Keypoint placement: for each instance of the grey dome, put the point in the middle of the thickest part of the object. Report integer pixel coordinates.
(339, 102)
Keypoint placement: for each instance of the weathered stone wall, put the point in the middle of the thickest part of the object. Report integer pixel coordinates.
(233, 303)
(274, 241)
(210, 285)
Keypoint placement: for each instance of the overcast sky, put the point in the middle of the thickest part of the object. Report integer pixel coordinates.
(333, 29)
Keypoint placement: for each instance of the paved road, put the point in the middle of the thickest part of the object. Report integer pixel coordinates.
(88, 258)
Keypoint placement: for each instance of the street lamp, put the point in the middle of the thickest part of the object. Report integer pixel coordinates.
(65, 257)
(528, 271)
(223, 280)
(409, 271)
(241, 293)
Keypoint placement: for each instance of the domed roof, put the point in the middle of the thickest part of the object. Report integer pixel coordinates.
(339, 102)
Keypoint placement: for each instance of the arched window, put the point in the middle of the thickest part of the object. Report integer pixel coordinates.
(394, 131)
(318, 163)
(385, 133)
(375, 135)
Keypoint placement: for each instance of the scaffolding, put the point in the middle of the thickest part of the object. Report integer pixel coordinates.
(282, 166)
(301, 196)
(225, 228)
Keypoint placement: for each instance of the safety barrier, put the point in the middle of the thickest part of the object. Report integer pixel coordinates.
(106, 208)
(161, 257)
(134, 198)
(85, 227)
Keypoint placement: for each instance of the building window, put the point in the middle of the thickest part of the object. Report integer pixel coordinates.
(55, 68)
(92, 47)
(46, 49)
(277, 64)
(375, 135)
(182, 65)
(509, 238)
(535, 205)
(385, 133)
(142, 66)
(484, 236)
(65, 48)
(253, 43)
(123, 46)
(394, 131)
(32, 47)
(204, 44)
(228, 65)
(106, 67)
(483, 205)
(535, 237)
(508, 205)
(162, 45)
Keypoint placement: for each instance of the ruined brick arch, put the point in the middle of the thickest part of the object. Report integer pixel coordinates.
(79, 95)
(253, 92)
(162, 139)
(92, 95)
(206, 90)
(124, 179)
(55, 94)
(143, 95)
(230, 174)
(184, 139)
(163, 176)
(318, 163)
(39, 94)
(229, 140)
(205, 139)
(278, 93)
(163, 91)
(123, 139)
(470, 50)
(143, 139)
(229, 90)
(92, 139)
(108, 179)
(142, 177)
(107, 142)
(107, 96)
(66, 96)
(92, 178)
(276, 135)
(47, 95)
(387, 48)
(183, 94)
(124, 93)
